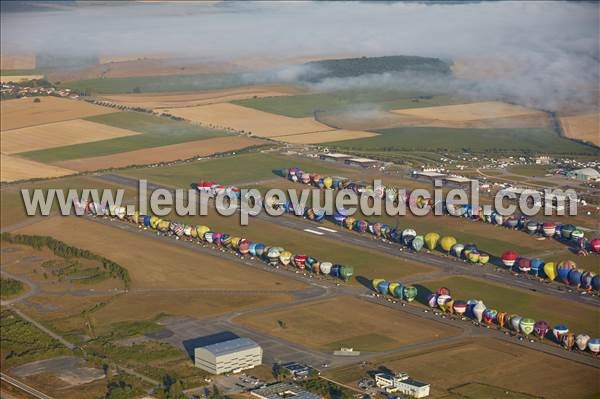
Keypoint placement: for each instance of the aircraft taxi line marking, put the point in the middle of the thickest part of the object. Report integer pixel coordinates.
(314, 232)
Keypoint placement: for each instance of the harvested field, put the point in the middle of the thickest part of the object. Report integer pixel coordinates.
(494, 363)
(16, 168)
(58, 134)
(470, 112)
(205, 97)
(242, 119)
(328, 325)
(158, 264)
(162, 154)
(24, 112)
(585, 127)
(19, 78)
(17, 61)
(325, 137)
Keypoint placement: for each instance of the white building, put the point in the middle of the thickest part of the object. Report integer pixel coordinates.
(283, 390)
(402, 383)
(586, 174)
(229, 356)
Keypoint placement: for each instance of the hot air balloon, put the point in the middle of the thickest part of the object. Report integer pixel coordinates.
(407, 236)
(509, 258)
(325, 267)
(409, 293)
(399, 292)
(563, 269)
(568, 340)
(559, 331)
(596, 282)
(549, 228)
(442, 300)
(527, 325)
(273, 255)
(524, 265)
(594, 345)
(383, 287)
(375, 282)
(327, 182)
(474, 256)
(497, 218)
(489, 316)
(361, 226)
(392, 288)
(460, 307)
(484, 258)
(501, 319)
(260, 249)
(478, 310)
(447, 242)
(541, 328)
(244, 247)
(299, 261)
(442, 291)
(567, 230)
(577, 234)
(515, 322)
(595, 245)
(432, 300)
(532, 227)
(550, 271)
(285, 258)
(582, 341)
(586, 280)
(349, 222)
(536, 265)
(417, 243)
(511, 222)
(575, 277)
(431, 240)
(457, 250)
(470, 305)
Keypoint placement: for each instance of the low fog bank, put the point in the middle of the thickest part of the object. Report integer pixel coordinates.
(542, 54)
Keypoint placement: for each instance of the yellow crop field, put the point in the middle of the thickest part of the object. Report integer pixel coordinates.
(205, 97)
(24, 112)
(19, 78)
(58, 134)
(248, 120)
(17, 61)
(584, 127)
(325, 137)
(16, 168)
(470, 112)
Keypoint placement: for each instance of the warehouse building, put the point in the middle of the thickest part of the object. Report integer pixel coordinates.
(281, 390)
(585, 174)
(363, 162)
(228, 356)
(334, 157)
(402, 383)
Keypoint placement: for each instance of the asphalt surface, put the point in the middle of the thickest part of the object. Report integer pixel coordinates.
(450, 264)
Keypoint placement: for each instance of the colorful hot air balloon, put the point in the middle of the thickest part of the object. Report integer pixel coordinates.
(541, 328)
(515, 322)
(432, 300)
(431, 240)
(559, 331)
(407, 236)
(383, 287)
(577, 234)
(568, 340)
(470, 306)
(527, 325)
(474, 256)
(550, 271)
(447, 242)
(273, 255)
(244, 247)
(595, 245)
(478, 310)
(549, 228)
(596, 282)
(457, 250)
(285, 258)
(524, 265)
(484, 258)
(509, 258)
(566, 231)
(501, 319)
(442, 291)
(327, 182)
(582, 341)
(325, 267)
(399, 292)
(375, 282)
(586, 280)
(532, 227)
(536, 265)
(410, 293)
(392, 288)
(563, 269)
(594, 345)
(489, 316)
(417, 243)
(299, 261)
(460, 307)
(575, 277)
(442, 300)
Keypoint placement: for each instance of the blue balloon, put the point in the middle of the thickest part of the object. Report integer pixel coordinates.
(536, 265)
(383, 287)
(596, 282)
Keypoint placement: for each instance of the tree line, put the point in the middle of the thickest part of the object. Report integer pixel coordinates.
(65, 250)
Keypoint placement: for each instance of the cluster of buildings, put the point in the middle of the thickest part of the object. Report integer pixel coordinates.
(401, 383)
(351, 160)
(11, 90)
(229, 356)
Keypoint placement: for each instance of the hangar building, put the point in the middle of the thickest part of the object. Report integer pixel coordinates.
(228, 356)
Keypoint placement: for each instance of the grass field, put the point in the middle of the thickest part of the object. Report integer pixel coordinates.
(476, 140)
(10, 288)
(324, 137)
(155, 132)
(15, 168)
(306, 105)
(484, 368)
(528, 170)
(328, 325)
(579, 317)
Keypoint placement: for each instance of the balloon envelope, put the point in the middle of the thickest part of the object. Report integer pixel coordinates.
(509, 258)
(582, 341)
(550, 270)
(559, 331)
(431, 240)
(410, 293)
(478, 310)
(417, 243)
(563, 269)
(541, 328)
(527, 325)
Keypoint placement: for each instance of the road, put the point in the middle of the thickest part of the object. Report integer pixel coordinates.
(24, 387)
(450, 264)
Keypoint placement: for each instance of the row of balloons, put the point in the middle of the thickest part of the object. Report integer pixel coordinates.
(476, 309)
(566, 232)
(274, 255)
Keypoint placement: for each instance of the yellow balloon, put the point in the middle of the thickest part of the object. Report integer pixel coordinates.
(327, 182)
(431, 240)
(447, 243)
(550, 270)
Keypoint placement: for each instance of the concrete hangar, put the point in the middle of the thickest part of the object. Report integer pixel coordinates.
(228, 356)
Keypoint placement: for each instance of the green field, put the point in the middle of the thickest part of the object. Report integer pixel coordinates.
(156, 132)
(145, 84)
(239, 169)
(10, 287)
(529, 170)
(495, 141)
(306, 105)
(21, 72)
(580, 318)
(477, 390)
